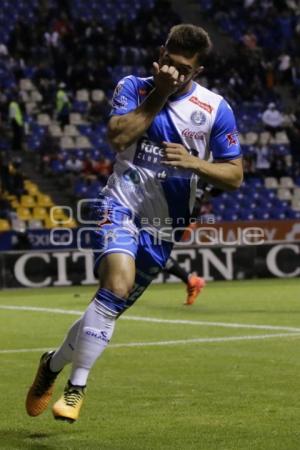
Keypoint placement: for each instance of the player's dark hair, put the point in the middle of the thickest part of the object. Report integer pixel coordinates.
(189, 39)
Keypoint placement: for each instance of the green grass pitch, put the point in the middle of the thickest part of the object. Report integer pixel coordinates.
(199, 384)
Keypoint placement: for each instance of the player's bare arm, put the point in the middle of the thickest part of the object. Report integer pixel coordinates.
(226, 175)
(126, 129)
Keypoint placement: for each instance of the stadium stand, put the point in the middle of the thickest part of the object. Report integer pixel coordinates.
(62, 72)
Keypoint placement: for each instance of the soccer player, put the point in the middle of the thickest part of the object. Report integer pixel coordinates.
(164, 129)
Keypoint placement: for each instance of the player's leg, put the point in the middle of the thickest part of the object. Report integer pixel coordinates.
(117, 293)
(193, 282)
(125, 245)
(116, 275)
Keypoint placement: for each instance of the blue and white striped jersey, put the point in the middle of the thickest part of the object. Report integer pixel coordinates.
(161, 196)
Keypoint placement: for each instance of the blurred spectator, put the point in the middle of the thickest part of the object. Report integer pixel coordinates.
(21, 241)
(63, 105)
(285, 68)
(4, 174)
(5, 208)
(278, 166)
(272, 119)
(263, 160)
(17, 123)
(102, 167)
(249, 166)
(73, 165)
(17, 180)
(293, 134)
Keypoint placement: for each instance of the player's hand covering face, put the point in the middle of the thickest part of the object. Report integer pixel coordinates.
(174, 72)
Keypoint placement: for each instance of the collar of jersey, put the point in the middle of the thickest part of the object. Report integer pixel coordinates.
(182, 96)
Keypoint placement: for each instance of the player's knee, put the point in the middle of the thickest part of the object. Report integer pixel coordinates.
(119, 286)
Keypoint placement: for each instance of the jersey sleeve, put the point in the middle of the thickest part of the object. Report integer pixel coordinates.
(125, 97)
(224, 142)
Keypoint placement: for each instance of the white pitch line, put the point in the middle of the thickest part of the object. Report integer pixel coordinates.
(156, 320)
(173, 342)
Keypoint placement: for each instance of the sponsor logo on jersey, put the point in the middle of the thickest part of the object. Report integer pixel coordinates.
(192, 134)
(161, 175)
(202, 105)
(148, 154)
(198, 118)
(232, 138)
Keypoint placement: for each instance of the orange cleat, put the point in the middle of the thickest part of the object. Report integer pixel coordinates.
(40, 393)
(194, 287)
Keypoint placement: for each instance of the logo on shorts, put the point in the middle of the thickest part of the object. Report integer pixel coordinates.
(198, 117)
(132, 176)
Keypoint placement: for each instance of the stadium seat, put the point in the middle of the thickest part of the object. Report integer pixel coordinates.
(24, 213)
(296, 193)
(83, 142)
(271, 183)
(82, 95)
(284, 194)
(4, 225)
(296, 204)
(35, 224)
(281, 138)
(97, 95)
(18, 224)
(24, 96)
(251, 138)
(264, 138)
(44, 200)
(27, 201)
(245, 214)
(286, 182)
(35, 96)
(71, 224)
(32, 189)
(44, 119)
(278, 214)
(67, 143)
(241, 138)
(31, 107)
(76, 119)
(58, 214)
(39, 213)
(15, 203)
(71, 130)
(55, 130)
(26, 84)
(261, 214)
(48, 223)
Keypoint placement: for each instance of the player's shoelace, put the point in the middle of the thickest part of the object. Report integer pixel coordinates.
(72, 396)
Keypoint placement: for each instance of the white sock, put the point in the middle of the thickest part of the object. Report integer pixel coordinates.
(64, 354)
(95, 331)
